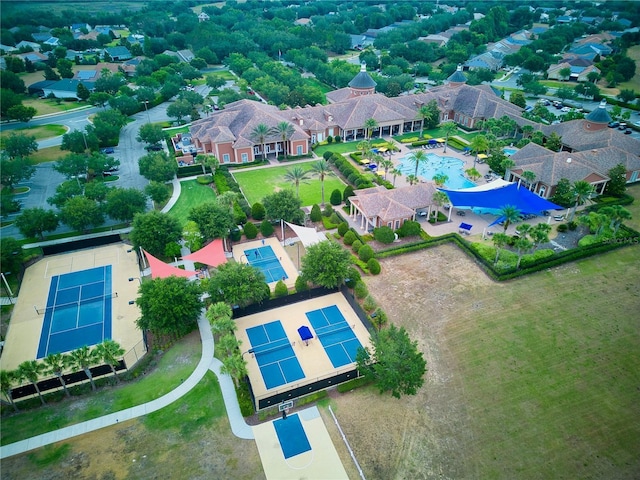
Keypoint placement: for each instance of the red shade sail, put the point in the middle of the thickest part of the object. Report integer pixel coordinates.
(159, 269)
(212, 254)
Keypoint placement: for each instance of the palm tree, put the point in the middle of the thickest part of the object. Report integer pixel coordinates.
(220, 318)
(439, 198)
(31, 370)
(478, 144)
(321, 169)
(396, 172)
(369, 125)
(527, 131)
(227, 199)
(523, 245)
(440, 179)
(7, 380)
(580, 190)
(83, 358)
(510, 214)
(227, 344)
(412, 179)
(365, 147)
(499, 240)
(448, 128)
(472, 173)
(206, 160)
(259, 135)
(529, 177)
(617, 214)
(539, 234)
(417, 156)
(426, 114)
(56, 363)
(110, 352)
(387, 165)
(296, 175)
(234, 366)
(284, 130)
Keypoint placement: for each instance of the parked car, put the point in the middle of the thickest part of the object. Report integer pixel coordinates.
(622, 126)
(153, 148)
(628, 131)
(107, 150)
(614, 124)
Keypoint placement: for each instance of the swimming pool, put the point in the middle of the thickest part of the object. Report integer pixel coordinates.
(264, 259)
(508, 151)
(435, 164)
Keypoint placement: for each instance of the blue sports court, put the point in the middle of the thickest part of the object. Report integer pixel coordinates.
(335, 335)
(78, 311)
(274, 354)
(264, 259)
(291, 435)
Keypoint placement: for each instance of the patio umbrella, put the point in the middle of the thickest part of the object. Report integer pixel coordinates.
(467, 149)
(432, 141)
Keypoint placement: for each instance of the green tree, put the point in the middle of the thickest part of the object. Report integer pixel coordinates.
(472, 173)
(499, 241)
(430, 116)
(529, 177)
(82, 92)
(321, 169)
(237, 284)
(84, 358)
(396, 172)
(616, 214)
(370, 124)
(150, 133)
(157, 191)
(326, 264)
(110, 352)
(564, 73)
(158, 167)
(259, 135)
(284, 130)
(191, 235)
(21, 113)
(284, 205)
(626, 95)
(440, 178)
(207, 160)
(169, 306)
(539, 234)
(123, 203)
(417, 157)
(107, 125)
(234, 366)
(153, 231)
(448, 128)
(395, 364)
(35, 221)
(19, 145)
(7, 381)
(220, 318)
(55, 364)
(77, 141)
(258, 211)
(31, 370)
(13, 171)
(11, 255)
(509, 214)
(581, 191)
(562, 195)
(80, 212)
(617, 185)
(478, 144)
(214, 220)
(297, 175)
(179, 109)
(517, 98)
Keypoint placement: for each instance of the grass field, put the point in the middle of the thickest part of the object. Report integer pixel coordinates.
(634, 83)
(191, 194)
(258, 183)
(40, 132)
(174, 366)
(49, 154)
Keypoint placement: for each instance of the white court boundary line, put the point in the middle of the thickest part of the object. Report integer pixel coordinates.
(346, 442)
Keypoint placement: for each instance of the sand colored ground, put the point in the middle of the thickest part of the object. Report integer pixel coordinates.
(25, 328)
(312, 357)
(322, 461)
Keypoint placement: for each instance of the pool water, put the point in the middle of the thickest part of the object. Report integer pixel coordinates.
(264, 259)
(435, 164)
(509, 151)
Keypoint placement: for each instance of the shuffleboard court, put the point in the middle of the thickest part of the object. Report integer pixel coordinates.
(335, 334)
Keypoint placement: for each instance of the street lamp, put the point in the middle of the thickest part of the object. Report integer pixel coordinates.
(131, 279)
(146, 110)
(251, 350)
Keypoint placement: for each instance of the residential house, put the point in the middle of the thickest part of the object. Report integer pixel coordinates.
(578, 73)
(181, 55)
(7, 49)
(118, 54)
(203, 17)
(65, 88)
(25, 44)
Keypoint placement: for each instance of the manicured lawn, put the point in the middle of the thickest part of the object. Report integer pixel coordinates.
(346, 147)
(40, 132)
(49, 154)
(191, 194)
(256, 184)
(174, 366)
(634, 83)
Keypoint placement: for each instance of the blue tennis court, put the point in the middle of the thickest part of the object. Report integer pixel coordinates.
(335, 335)
(78, 311)
(264, 259)
(291, 435)
(275, 356)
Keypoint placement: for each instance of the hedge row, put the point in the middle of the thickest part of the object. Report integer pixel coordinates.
(630, 237)
(225, 182)
(349, 171)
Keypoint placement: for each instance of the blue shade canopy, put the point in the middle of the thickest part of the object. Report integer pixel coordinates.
(466, 226)
(305, 333)
(521, 198)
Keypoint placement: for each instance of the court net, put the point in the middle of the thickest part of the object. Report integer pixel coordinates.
(76, 303)
(329, 329)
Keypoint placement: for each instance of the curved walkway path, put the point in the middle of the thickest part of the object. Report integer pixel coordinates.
(207, 362)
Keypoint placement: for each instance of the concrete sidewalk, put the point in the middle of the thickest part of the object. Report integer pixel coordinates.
(207, 362)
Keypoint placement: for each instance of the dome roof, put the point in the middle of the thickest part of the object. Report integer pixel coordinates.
(457, 76)
(600, 114)
(362, 80)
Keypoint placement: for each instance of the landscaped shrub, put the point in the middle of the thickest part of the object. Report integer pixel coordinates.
(239, 217)
(266, 229)
(258, 211)
(338, 138)
(301, 284)
(378, 318)
(328, 210)
(335, 219)
(250, 231)
(409, 229)
(353, 277)
(316, 213)
(204, 179)
(532, 259)
(327, 155)
(343, 228)
(356, 246)
(374, 266)
(369, 304)
(329, 139)
(353, 178)
(572, 225)
(384, 234)
(172, 250)
(365, 253)
(360, 290)
(281, 289)
(349, 238)
(347, 192)
(235, 234)
(562, 227)
(336, 197)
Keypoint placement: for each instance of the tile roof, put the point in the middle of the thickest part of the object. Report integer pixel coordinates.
(388, 205)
